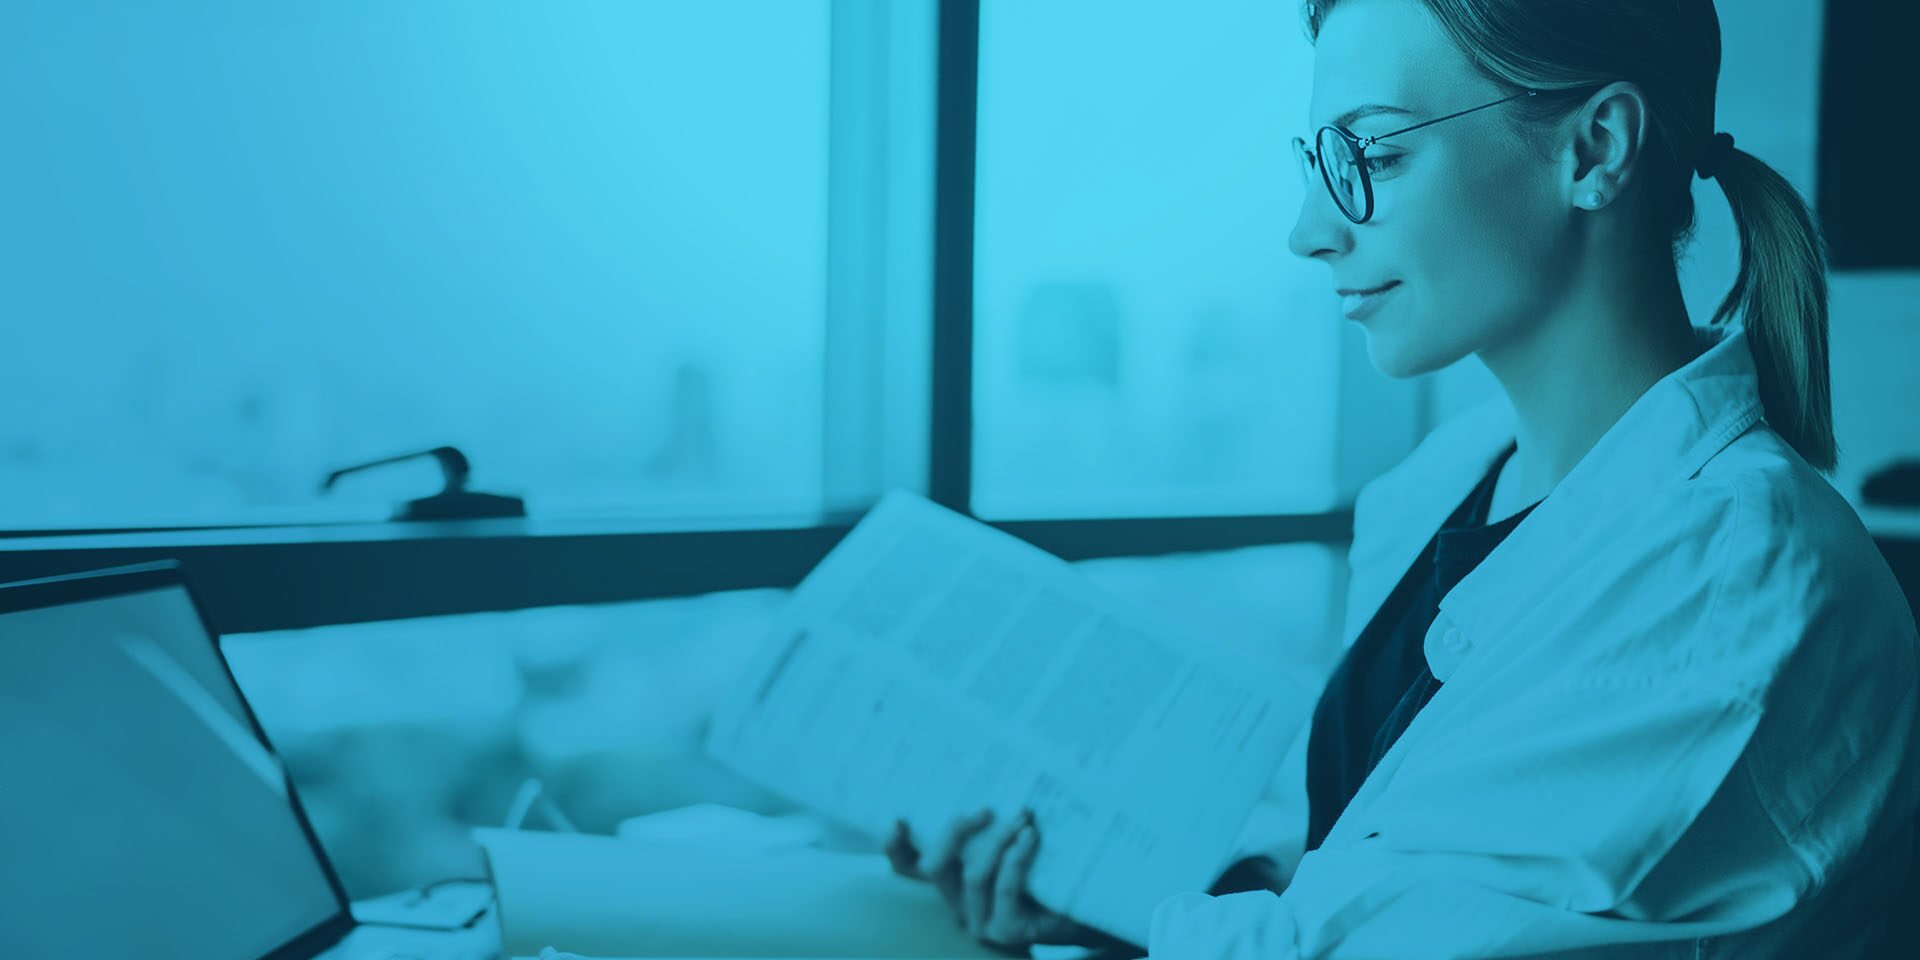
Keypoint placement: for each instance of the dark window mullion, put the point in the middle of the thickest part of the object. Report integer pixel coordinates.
(950, 440)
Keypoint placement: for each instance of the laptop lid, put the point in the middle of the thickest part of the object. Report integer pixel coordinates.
(144, 812)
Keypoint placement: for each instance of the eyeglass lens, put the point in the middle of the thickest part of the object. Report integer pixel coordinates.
(1342, 172)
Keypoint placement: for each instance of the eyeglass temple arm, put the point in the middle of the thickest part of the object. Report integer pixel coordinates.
(1369, 141)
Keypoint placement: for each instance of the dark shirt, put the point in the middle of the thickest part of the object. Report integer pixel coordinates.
(1383, 681)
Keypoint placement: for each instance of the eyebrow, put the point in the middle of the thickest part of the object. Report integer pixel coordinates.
(1368, 110)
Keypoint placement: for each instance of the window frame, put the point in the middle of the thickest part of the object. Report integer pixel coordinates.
(274, 577)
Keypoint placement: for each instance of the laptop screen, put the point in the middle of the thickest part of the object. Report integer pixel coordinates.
(141, 816)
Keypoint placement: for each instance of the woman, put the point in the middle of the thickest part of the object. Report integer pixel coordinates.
(1625, 672)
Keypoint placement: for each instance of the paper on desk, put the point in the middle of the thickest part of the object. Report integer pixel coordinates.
(448, 906)
(931, 665)
(616, 897)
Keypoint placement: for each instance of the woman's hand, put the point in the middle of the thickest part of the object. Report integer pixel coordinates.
(981, 868)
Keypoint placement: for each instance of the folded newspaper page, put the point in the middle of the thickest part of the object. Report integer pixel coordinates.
(931, 666)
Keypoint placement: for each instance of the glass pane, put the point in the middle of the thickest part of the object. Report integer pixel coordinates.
(1343, 173)
(1145, 343)
(244, 244)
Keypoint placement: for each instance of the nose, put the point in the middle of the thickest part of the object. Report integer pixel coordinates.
(1321, 230)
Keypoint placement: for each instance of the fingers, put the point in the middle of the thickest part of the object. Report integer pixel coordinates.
(947, 861)
(1012, 920)
(945, 866)
(982, 874)
(902, 855)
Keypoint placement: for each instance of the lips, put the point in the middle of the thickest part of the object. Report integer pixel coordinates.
(1363, 291)
(1357, 304)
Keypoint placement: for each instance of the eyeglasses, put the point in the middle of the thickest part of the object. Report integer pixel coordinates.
(1342, 159)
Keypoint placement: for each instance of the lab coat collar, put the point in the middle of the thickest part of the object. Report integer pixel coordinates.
(1666, 436)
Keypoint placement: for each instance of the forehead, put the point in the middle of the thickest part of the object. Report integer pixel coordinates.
(1389, 52)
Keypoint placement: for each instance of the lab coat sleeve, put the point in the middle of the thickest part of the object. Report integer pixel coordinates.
(1484, 875)
(1523, 808)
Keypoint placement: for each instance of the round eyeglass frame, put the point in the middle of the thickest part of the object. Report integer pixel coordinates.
(1357, 146)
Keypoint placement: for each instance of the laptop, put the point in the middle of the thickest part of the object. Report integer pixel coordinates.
(143, 812)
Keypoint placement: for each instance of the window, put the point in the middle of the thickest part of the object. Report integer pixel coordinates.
(598, 246)
(1145, 343)
(694, 278)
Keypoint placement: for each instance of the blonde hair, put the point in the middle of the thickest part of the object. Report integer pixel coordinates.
(1670, 49)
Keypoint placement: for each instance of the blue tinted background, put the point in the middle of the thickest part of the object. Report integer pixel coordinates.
(245, 244)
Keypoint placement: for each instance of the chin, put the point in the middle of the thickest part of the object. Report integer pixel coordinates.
(1400, 359)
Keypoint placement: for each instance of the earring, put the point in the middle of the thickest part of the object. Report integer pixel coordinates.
(1592, 201)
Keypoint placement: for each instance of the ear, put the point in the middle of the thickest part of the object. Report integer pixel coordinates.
(1605, 144)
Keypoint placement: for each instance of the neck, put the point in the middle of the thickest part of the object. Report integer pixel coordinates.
(1574, 373)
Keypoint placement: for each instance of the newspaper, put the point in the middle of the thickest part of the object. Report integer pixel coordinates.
(931, 666)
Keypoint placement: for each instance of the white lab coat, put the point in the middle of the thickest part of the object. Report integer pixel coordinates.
(1678, 715)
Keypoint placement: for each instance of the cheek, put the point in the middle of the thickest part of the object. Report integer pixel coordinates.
(1483, 252)
(1469, 245)
(1450, 259)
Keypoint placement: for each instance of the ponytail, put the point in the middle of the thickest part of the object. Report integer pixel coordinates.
(1781, 295)
(1671, 48)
